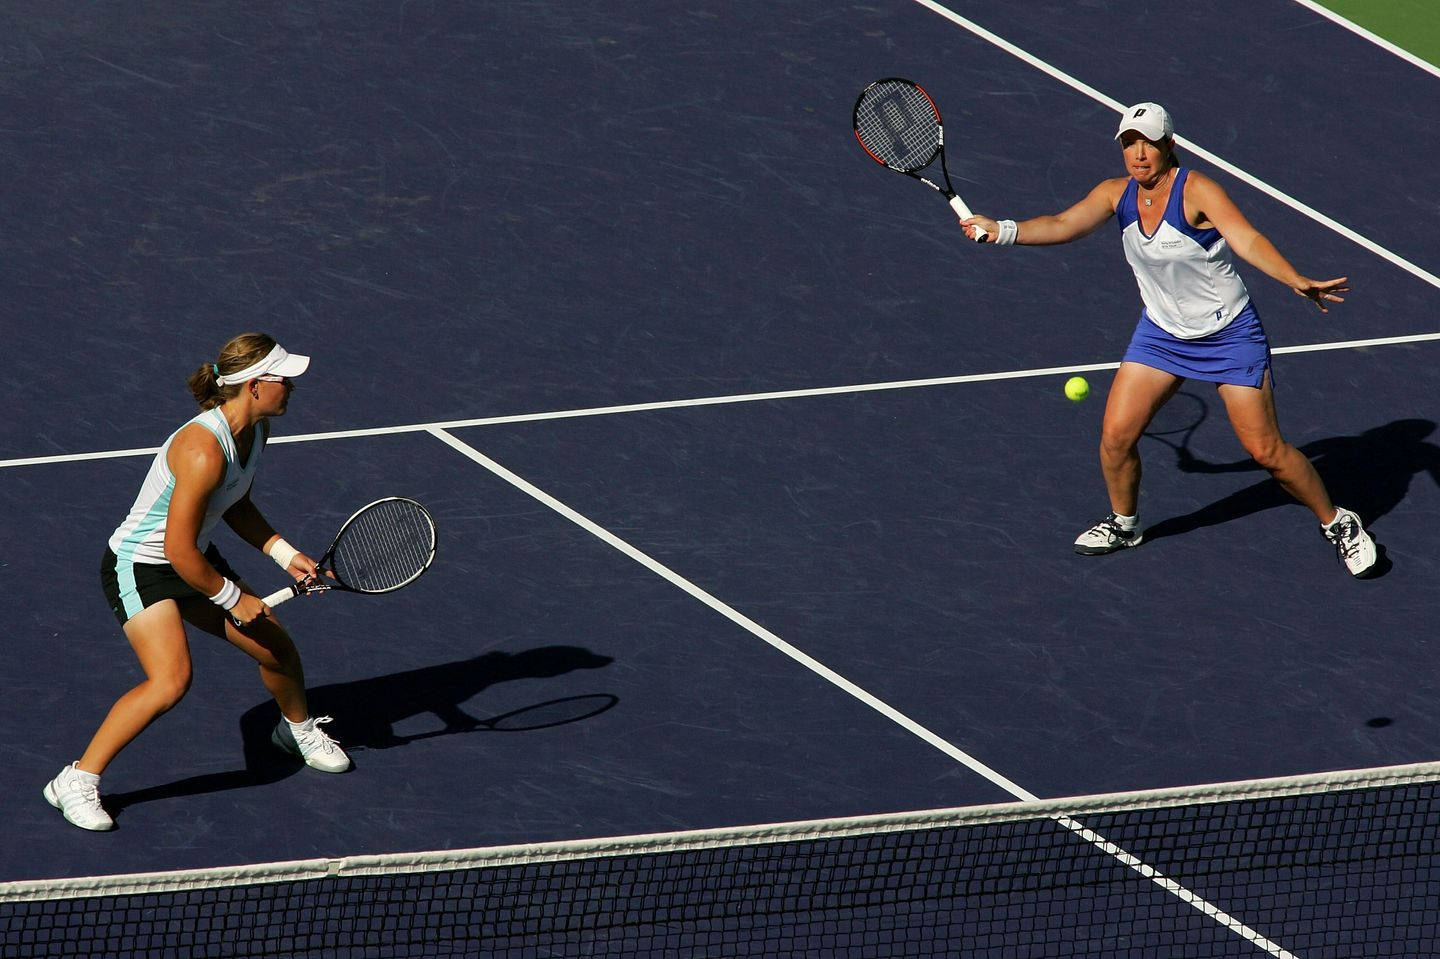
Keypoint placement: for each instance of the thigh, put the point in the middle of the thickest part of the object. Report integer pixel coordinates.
(157, 634)
(1252, 415)
(1136, 394)
(264, 640)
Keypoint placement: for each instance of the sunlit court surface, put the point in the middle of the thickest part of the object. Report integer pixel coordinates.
(755, 627)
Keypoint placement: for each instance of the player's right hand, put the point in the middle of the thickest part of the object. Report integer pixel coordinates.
(972, 224)
(248, 610)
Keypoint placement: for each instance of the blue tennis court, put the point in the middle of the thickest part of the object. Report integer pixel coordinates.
(755, 483)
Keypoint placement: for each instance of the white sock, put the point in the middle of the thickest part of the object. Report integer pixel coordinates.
(304, 727)
(1127, 522)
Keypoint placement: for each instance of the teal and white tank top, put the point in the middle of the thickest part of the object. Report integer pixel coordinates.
(141, 538)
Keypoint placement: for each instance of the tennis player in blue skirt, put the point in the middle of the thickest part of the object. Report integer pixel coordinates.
(1178, 228)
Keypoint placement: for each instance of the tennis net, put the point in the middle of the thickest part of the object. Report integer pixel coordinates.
(1339, 864)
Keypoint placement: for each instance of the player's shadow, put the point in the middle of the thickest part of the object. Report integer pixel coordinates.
(1369, 474)
(367, 712)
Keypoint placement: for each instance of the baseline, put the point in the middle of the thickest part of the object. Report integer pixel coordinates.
(1374, 38)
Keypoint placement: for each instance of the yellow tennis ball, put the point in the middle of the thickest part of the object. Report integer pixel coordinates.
(1076, 388)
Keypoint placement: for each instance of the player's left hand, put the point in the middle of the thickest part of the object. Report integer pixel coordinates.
(1321, 292)
(302, 567)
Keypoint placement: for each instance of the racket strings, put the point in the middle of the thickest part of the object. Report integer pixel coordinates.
(384, 547)
(897, 122)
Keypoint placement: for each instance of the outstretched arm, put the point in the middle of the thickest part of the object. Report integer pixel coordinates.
(1080, 220)
(1212, 206)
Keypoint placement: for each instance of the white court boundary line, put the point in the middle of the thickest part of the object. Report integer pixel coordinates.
(705, 401)
(1379, 41)
(880, 706)
(1227, 166)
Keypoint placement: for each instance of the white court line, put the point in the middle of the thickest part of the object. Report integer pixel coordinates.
(705, 401)
(1200, 151)
(845, 685)
(1379, 41)
(1175, 889)
(732, 614)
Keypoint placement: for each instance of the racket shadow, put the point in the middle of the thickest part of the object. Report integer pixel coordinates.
(551, 713)
(1176, 423)
(367, 711)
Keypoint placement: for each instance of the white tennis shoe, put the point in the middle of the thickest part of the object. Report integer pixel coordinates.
(1353, 546)
(77, 796)
(1107, 536)
(311, 744)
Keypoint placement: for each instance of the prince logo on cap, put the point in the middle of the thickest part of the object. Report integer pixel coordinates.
(1150, 120)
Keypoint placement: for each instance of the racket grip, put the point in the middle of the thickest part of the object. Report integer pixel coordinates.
(963, 212)
(281, 595)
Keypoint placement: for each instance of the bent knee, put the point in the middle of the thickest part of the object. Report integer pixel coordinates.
(167, 691)
(1118, 443)
(1270, 453)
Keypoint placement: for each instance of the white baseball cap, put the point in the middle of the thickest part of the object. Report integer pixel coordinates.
(1150, 120)
(275, 363)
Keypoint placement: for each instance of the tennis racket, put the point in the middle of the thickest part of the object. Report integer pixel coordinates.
(385, 545)
(899, 126)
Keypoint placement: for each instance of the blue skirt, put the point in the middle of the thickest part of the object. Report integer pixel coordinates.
(1238, 354)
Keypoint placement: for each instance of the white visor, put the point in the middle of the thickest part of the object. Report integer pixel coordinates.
(276, 363)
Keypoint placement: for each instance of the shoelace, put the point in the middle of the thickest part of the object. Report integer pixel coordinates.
(317, 738)
(1113, 527)
(1346, 538)
(86, 790)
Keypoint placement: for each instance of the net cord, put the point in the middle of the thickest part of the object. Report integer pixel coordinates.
(1063, 810)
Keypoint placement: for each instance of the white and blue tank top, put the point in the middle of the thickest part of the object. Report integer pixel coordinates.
(1186, 275)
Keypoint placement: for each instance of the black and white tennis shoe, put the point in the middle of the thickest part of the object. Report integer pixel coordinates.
(1353, 546)
(1107, 536)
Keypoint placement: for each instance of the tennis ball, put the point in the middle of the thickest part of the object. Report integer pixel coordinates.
(1076, 388)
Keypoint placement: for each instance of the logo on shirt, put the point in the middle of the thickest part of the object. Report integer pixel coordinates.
(1171, 244)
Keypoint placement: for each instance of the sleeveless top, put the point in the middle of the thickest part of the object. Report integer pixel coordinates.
(1186, 276)
(141, 538)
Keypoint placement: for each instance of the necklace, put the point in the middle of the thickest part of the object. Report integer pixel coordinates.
(1150, 200)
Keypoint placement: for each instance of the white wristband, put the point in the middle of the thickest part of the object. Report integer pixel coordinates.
(1008, 232)
(282, 553)
(228, 596)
